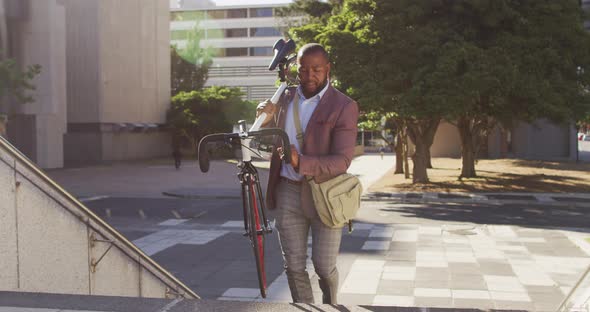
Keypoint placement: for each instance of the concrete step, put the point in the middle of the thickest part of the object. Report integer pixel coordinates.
(36, 302)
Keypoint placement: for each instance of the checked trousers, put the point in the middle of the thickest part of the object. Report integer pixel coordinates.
(293, 227)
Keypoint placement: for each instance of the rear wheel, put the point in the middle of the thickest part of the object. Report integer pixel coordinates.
(257, 235)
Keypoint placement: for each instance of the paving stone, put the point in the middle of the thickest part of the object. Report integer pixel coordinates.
(564, 279)
(542, 289)
(510, 296)
(464, 268)
(432, 284)
(432, 264)
(503, 283)
(513, 305)
(474, 282)
(546, 306)
(400, 273)
(390, 300)
(352, 299)
(432, 274)
(399, 263)
(427, 302)
(548, 299)
(470, 294)
(495, 268)
(407, 246)
(433, 292)
(400, 255)
(473, 304)
(390, 287)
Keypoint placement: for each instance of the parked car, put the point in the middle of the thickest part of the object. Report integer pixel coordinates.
(582, 137)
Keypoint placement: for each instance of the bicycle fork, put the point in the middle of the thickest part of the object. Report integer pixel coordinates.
(248, 180)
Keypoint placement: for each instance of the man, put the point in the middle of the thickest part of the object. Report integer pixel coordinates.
(329, 125)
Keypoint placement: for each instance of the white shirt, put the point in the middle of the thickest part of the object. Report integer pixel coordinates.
(306, 108)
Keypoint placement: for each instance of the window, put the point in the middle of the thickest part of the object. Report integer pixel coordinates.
(236, 52)
(261, 12)
(215, 33)
(265, 32)
(187, 16)
(236, 32)
(237, 13)
(179, 35)
(216, 14)
(261, 51)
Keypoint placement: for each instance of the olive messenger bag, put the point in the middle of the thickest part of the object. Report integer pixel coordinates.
(336, 200)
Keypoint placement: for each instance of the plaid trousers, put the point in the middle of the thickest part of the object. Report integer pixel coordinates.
(293, 227)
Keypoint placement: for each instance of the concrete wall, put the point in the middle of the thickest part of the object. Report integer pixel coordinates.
(51, 243)
(118, 78)
(543, 140)
(38, 37)
(447, 142)
(95, 147)
(134, 33)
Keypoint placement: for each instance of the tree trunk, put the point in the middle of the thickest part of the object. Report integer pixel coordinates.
(428, 159)
(420, 175)
(422, 132)
(399, 154)
(468, 146)
(405, 155)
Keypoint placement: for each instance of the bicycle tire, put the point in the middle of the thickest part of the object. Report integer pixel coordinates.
(257, 237)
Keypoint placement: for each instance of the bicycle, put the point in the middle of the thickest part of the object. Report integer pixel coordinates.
(256, 225)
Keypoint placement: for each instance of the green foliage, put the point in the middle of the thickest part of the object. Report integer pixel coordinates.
(190, 65)
(315, 9)
(16, 83)
(478, 61)
(214, 109)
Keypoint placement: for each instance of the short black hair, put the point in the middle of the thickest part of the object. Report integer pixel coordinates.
(311, 48)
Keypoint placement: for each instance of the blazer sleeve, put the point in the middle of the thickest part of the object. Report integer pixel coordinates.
(342, 146)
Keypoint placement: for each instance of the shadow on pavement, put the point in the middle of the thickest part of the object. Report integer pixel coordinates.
(504, 214)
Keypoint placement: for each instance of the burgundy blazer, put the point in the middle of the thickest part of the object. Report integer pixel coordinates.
(328, 143)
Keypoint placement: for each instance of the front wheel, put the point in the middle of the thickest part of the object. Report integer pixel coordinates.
(256, 233)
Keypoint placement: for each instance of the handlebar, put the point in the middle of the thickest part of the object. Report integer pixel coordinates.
(225, 137)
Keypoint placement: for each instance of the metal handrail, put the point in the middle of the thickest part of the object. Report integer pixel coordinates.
(564, 302)
(14, 152)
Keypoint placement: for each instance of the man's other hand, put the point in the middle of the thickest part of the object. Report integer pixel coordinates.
(266, 107)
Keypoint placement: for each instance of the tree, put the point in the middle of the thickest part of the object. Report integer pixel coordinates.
(382, 57)
(190, 64)
(474, 63)
(15, 82)
(195, 114)
(390, 130)
(503, 61)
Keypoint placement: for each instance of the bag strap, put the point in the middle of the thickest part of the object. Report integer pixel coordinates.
(297, 120)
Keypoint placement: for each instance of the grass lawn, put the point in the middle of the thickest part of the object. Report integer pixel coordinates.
(496, 175)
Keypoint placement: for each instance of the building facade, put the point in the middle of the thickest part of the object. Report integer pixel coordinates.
(104, 86)
(240, 34)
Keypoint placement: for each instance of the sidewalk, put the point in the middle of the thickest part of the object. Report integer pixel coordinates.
(485, 251)
(158, 179)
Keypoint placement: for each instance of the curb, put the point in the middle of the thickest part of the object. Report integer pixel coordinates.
(572, 200)
(198, 196)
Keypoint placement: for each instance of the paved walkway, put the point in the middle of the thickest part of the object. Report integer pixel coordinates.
(407, 250)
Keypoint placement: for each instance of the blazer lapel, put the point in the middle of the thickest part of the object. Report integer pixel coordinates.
(323, 105)
(284, 107)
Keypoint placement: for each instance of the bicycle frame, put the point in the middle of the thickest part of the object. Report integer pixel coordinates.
(255, 223)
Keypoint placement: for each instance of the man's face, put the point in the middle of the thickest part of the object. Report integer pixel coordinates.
(313, 70)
